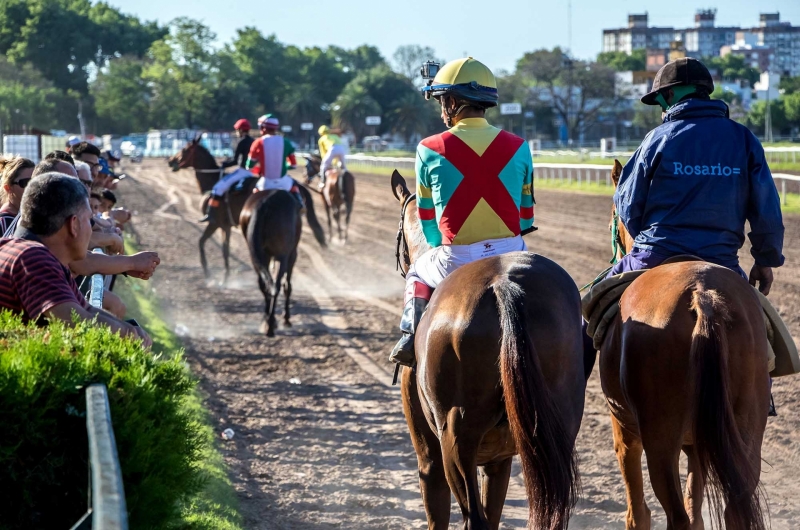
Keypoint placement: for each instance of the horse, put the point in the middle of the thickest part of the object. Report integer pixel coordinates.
(226, 216)
(272, 224)
(683, 367)
(335, 194)
(499, 372)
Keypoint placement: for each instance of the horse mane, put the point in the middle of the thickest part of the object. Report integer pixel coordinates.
(208, 156)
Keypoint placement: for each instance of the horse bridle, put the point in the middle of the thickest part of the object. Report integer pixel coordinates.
(401, 240)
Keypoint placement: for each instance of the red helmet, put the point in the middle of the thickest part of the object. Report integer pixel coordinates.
(242, 125)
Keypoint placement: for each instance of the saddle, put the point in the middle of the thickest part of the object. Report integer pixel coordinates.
(601, 305)
(243, 186)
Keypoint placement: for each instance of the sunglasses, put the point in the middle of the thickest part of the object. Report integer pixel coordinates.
(22, 182)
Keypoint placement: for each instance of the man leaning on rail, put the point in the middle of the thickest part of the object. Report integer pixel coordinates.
(53, 232)
(694, 181)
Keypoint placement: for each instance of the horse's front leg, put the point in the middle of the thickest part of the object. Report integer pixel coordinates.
(226, 253)
(207, 233)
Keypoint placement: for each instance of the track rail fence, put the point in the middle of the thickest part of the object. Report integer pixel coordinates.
(107, 509)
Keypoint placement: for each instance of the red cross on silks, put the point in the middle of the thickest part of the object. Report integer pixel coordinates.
(481, 180)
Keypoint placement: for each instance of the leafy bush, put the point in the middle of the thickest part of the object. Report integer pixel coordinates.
(43, 448)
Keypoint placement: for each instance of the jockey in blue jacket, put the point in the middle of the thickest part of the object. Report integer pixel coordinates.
(693, 182)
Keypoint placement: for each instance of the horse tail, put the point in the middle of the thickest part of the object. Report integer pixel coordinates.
(722, 453)
(311, 216)
(546, 451)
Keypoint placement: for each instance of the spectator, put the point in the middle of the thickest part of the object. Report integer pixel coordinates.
(15, 174)
(54, 232)
(72, 142)
(84, 173)
(55, 165)
(108, 201)
(89, 153)
(95, 200)
(60, 155)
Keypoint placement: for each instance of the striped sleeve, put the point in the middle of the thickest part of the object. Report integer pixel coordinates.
(425, 206)
(527, 202)
(42, 283)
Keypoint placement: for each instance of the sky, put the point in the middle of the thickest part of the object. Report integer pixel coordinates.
(496, 32)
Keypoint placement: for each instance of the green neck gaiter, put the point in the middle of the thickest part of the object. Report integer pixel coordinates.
(679, 92)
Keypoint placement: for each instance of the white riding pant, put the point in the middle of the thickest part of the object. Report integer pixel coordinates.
(337, 152)
(437, 263)
(226, 182)
(284, 183)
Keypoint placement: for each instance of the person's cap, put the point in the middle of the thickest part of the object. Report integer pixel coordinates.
(323, 130)
(269, 121)
(105, 169)
(73, 140)
(680, 72)
(115, 155)
(242, 125)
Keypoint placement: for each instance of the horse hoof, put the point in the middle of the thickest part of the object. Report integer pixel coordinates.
(270, 333)
(263, 328)
(287, 323)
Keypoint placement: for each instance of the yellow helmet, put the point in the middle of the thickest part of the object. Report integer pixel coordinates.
(323, 130)
(465, 79)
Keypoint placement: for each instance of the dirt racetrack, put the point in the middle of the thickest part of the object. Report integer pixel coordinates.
(320, 440)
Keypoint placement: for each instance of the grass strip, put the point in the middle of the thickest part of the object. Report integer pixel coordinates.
(216, 507)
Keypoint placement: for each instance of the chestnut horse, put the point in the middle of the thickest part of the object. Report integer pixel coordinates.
(684, 368)
(499, 372)
(339, 192)
(226, 216)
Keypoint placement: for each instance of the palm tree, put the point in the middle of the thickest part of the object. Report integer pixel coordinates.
(352, 107)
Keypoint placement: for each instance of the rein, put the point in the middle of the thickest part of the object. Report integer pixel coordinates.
(616, 247)
(401, 240)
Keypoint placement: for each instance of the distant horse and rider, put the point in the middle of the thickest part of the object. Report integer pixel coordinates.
(271, 222)
(338, 193)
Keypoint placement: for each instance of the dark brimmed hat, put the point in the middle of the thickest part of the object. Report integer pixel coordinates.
(680, 72)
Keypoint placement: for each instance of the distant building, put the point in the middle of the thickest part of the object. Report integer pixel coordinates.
(636, 36)
(755, 55)
(772, 45)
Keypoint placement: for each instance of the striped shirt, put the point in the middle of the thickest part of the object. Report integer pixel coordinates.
(33, 281)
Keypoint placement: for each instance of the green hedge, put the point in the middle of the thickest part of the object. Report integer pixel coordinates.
(43, 441)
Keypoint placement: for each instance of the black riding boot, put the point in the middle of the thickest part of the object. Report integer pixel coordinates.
(403, 352)
(213, 203)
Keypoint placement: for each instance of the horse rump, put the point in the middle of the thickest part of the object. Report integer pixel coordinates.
(732, 477)
(546, 451)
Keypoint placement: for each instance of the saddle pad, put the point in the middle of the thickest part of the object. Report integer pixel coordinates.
(601, 303)
(787, 360)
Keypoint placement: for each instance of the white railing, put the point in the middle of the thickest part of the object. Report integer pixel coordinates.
(107, 507)
(98, 286)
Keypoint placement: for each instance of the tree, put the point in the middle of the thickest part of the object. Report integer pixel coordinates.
(791, 103)
(623, 62)
(577, 90)
(790, 85)
(408, 60)
(352, 107)
(66, 39)
(647, 117)
(732, 68)
(182, 74)
(122, 97)
(758, 111)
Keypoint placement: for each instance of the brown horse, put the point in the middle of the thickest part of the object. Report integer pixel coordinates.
(499, 372)
(272, 224)
(226, 216)
(339, 191)
(684, 368)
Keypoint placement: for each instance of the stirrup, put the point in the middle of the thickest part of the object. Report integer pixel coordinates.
(772, 412)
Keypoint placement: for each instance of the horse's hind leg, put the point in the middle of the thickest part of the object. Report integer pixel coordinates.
(328, 211)
(226, 254)
(662, 461)
(266, 290)
(460, 441)
(432, 481)
(287, 288)
(494, 486)
(207, 233)
(695, 484)
(628, 447)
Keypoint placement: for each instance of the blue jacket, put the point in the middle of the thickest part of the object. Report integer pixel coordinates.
(693, 183)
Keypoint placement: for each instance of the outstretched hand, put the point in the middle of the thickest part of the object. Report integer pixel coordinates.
(762, 276)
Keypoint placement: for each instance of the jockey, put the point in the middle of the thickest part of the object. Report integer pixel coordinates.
(474, 190)
(241, 129)
(268, 155)
(330, 148)
(694, 181)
